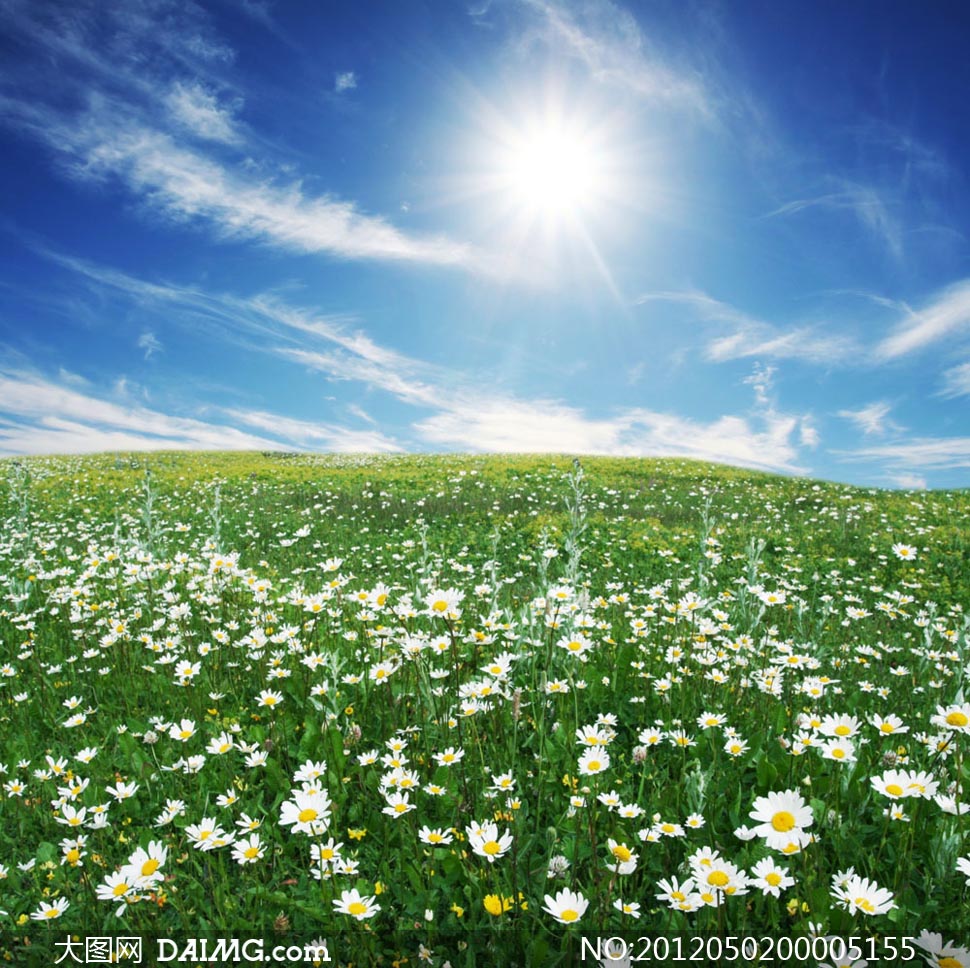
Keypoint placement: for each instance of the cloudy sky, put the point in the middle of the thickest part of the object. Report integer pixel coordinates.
(730, 231)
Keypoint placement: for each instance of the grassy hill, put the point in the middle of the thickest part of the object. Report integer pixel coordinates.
(684, 689)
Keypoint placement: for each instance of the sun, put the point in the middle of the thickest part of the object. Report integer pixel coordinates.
(549, 181)
(553, 170)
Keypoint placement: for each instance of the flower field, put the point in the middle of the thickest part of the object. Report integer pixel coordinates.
(440, 709)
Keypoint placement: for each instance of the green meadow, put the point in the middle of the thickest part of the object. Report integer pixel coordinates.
(435, 709)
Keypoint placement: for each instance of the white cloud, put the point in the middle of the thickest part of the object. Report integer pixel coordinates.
(808, 434)
(864, 202)
(199, 111)
(751, 337)
(360, 413)
(606, 39)
(872, 420)
(44, 417)
(459, 412)
(320, 436)
(150, 343)
(73, 379)
(344, 81)
(956, 381)
(911, 482)
(525, 426)
(149, 84)
(762, 381)
(944, 317)
(917, 454)
(397, 378)
(285, 330)
(183, 184)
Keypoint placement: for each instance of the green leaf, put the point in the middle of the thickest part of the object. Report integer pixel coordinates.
(309, 740)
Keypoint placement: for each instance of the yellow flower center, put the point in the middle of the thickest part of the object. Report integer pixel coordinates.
(887, 727)
(894, 789)
(783, 821)
(865, 904)
(400, 807)
(773, 878)
(838, 753)
(120, 889)
(569, 915)
(957, 718)
(149, 867)
(307, 815)
(251, 853)
(842, 730)
(492, 847)
(622, 853)
(73, 855)
(357, 908)
(440, 606)
(950, 963)
(717, 878)
(593, 765)
(678, 895)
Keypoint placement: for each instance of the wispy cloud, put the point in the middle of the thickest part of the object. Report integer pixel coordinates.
(946, 315)
(911, 482)
(808, 433)
(183, 184)
(320, 436)
(402, 377)
(72, 379)
(119, 133)
(360, 413)
(762, 381)
(523, 426)
(916, 454)
(150, 343)
(866, 203)
(606, 39)
(956, 381)
(453, 410)
(199, 111)
(39, 416)
(872, 420)
(45, 417)
(329, 343)
(749, 337)
(344, 81)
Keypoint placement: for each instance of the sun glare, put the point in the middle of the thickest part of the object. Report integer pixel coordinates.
(551, 181)
(553, 170)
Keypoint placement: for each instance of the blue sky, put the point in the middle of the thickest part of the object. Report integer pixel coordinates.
(730, 231)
